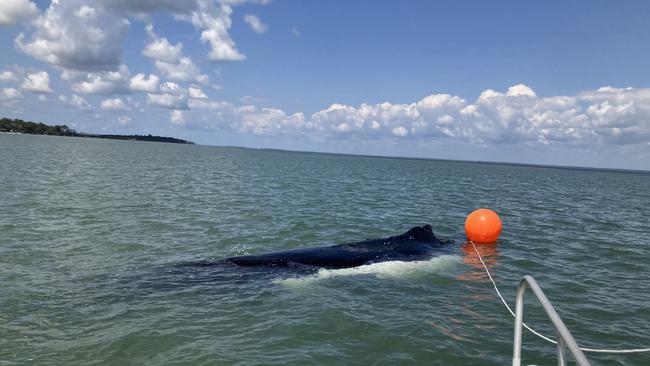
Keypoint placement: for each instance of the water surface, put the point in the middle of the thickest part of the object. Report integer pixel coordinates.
(94, 234)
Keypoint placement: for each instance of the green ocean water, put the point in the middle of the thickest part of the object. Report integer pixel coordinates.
(94, 235)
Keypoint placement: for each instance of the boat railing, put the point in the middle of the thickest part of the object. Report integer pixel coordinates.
(564, 338)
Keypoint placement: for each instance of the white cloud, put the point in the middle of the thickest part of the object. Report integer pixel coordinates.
(77, 35)
(604, 117)
(141, 82)
(114, 104)
(171, 87)
(488, 94)
(249, 119)
(103, 82)
(177, 117)
(255, 23)
(169, 60)
(85, 12)
(399, 131)
(184, 70)
(197, 93)
(37, 82)
(9, 94)
(123, 120)
(214, 20)
(160, 49)
(167, 101)
(76, 101)
(7, 76)
(32, 81)
(268, 121)
(209, 104)
(520, 90)
(16, 11)
(73, 35)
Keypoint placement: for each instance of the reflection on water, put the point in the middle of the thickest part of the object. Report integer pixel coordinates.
(459, 328)
(475, 271)
(448, 331)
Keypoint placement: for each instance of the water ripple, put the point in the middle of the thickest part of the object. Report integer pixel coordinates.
(94, 236)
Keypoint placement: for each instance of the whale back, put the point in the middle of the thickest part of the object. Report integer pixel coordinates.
(416, 244)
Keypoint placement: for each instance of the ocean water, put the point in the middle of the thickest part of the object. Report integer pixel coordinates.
(96, 235)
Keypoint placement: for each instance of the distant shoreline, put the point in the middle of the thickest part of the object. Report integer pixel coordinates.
(482, 162)
(17, 126)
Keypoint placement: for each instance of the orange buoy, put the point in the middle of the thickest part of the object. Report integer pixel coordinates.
(483, 226)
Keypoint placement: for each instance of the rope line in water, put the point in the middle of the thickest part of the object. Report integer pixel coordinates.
(594, 350)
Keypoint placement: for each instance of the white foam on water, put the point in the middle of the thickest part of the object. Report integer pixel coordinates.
(393, 269)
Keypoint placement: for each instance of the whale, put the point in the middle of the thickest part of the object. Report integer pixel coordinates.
(418, 243)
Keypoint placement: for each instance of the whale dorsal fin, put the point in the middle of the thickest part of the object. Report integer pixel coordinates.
(422, 233)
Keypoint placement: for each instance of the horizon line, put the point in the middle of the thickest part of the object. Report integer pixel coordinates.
(486, 162)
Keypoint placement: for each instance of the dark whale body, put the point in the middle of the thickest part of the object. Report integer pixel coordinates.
(419, 243)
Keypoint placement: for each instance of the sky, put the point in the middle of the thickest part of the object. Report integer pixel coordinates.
(554, 82)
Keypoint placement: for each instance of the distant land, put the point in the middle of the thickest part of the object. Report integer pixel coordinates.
(33, 128)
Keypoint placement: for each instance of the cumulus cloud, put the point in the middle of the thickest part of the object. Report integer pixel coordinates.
(268, 121)
(141, 82)
(619, 115)
(16, 11)
(7, 76)
(13, 75)
(251, 119)
(607, 116)
(400, 131)
(171, 87)
(169, 101)
(37, 82)
(102, 82)
(160, 49)
(32, 81)
(215, 22)
(213, 105)
(78, 36)
(520, 90)
(197, 93)
(76, 101)
(212, 18)
(255, 23)
(74, 35)
(169, 59)
(115, 104)
(10, 94)
(123, 120)
(177, 117)
(83, 36)
(184, 70)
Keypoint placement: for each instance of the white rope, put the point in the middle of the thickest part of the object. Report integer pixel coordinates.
(595, 350)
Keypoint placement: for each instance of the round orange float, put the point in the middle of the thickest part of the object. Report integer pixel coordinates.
(483, 226)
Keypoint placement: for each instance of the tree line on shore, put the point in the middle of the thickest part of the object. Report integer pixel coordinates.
(34, 128)
(18, 125)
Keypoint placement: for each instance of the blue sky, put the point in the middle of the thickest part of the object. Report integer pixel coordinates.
(551, 82)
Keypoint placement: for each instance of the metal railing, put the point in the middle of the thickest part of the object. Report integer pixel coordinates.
(564, 338)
